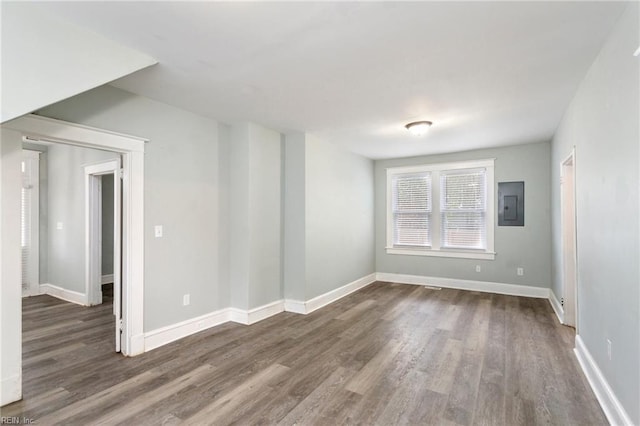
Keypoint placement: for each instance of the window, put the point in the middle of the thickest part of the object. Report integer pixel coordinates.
(29, 222)
(441, 210)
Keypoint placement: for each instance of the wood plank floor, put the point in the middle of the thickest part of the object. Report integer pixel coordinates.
(387, 354)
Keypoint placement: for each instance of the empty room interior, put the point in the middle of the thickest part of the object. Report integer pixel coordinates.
(320, 213)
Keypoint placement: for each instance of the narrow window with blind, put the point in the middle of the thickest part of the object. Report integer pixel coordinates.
(29, 229)
(441, 210)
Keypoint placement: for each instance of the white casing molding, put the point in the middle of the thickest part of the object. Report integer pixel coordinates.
(557, 306)
(482, 286)
(10, 389)
(106, 279)
(318, 302)
(131, 149)
(164, 335)
(295, 306)
(254, 315)
(610, 404)
(137, 343)
(64, 294)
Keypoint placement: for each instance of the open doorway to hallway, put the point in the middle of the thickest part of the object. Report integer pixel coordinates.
(71, 232)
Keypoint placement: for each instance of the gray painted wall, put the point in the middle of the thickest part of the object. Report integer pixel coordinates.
(339, 227)
(265, 216)
(66, 205)
(329, 232)
(602, 123)
(182, 193)
(239, 259)
(294, 270)
(528, 247)
(255, 200)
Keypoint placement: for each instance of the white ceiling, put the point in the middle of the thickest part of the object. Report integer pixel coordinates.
(486, 73)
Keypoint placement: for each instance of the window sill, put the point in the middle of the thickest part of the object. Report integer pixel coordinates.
(460, 254)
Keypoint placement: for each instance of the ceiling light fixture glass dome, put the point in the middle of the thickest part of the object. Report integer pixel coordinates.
(418, 128)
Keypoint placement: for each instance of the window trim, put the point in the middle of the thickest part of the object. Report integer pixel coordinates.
(436, 250)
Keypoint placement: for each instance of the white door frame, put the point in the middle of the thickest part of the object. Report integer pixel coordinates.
(93, 225)
(568, 232)
(93, 175)
(132, 150)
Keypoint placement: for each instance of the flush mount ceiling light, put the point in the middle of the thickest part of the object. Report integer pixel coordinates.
(418, 128)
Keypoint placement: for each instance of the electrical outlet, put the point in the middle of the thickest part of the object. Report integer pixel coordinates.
(186, 299)
(609, 349)
(520, 272)
(478, 268)
(59, 225)
(158, 231)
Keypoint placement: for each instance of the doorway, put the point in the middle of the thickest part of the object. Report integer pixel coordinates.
(96, 177)
(569, 246)
(131, 151)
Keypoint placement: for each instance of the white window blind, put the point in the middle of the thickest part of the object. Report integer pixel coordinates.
(463, 208)
(25, 222)
(411, 207)
(29, 224)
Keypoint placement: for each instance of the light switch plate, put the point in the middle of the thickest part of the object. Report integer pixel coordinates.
(158, 231)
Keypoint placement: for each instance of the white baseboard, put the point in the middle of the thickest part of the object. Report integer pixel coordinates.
(482, 286)
(137, 345)
(318, 302)
(612, 408)
(164, 335)
(64, 294)
(557, 306)
(295, 306)
(256, 314)
(106, 279)
(10, 389)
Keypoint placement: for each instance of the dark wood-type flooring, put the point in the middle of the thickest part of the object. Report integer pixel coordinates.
(387, 354)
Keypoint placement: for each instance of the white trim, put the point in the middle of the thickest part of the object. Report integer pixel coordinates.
(435, 169)
(37, 128)
(106, 279)
(295, 306)
(164, 335)
(570, 295)
(610, 404)
(255, 315)
(462, 254)
(318, 302)
(64, 294)
(482, 286)
(557, 306)
(10, 389)
(93, 226)
(132, 150)
(137, 343)
(471, 164)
